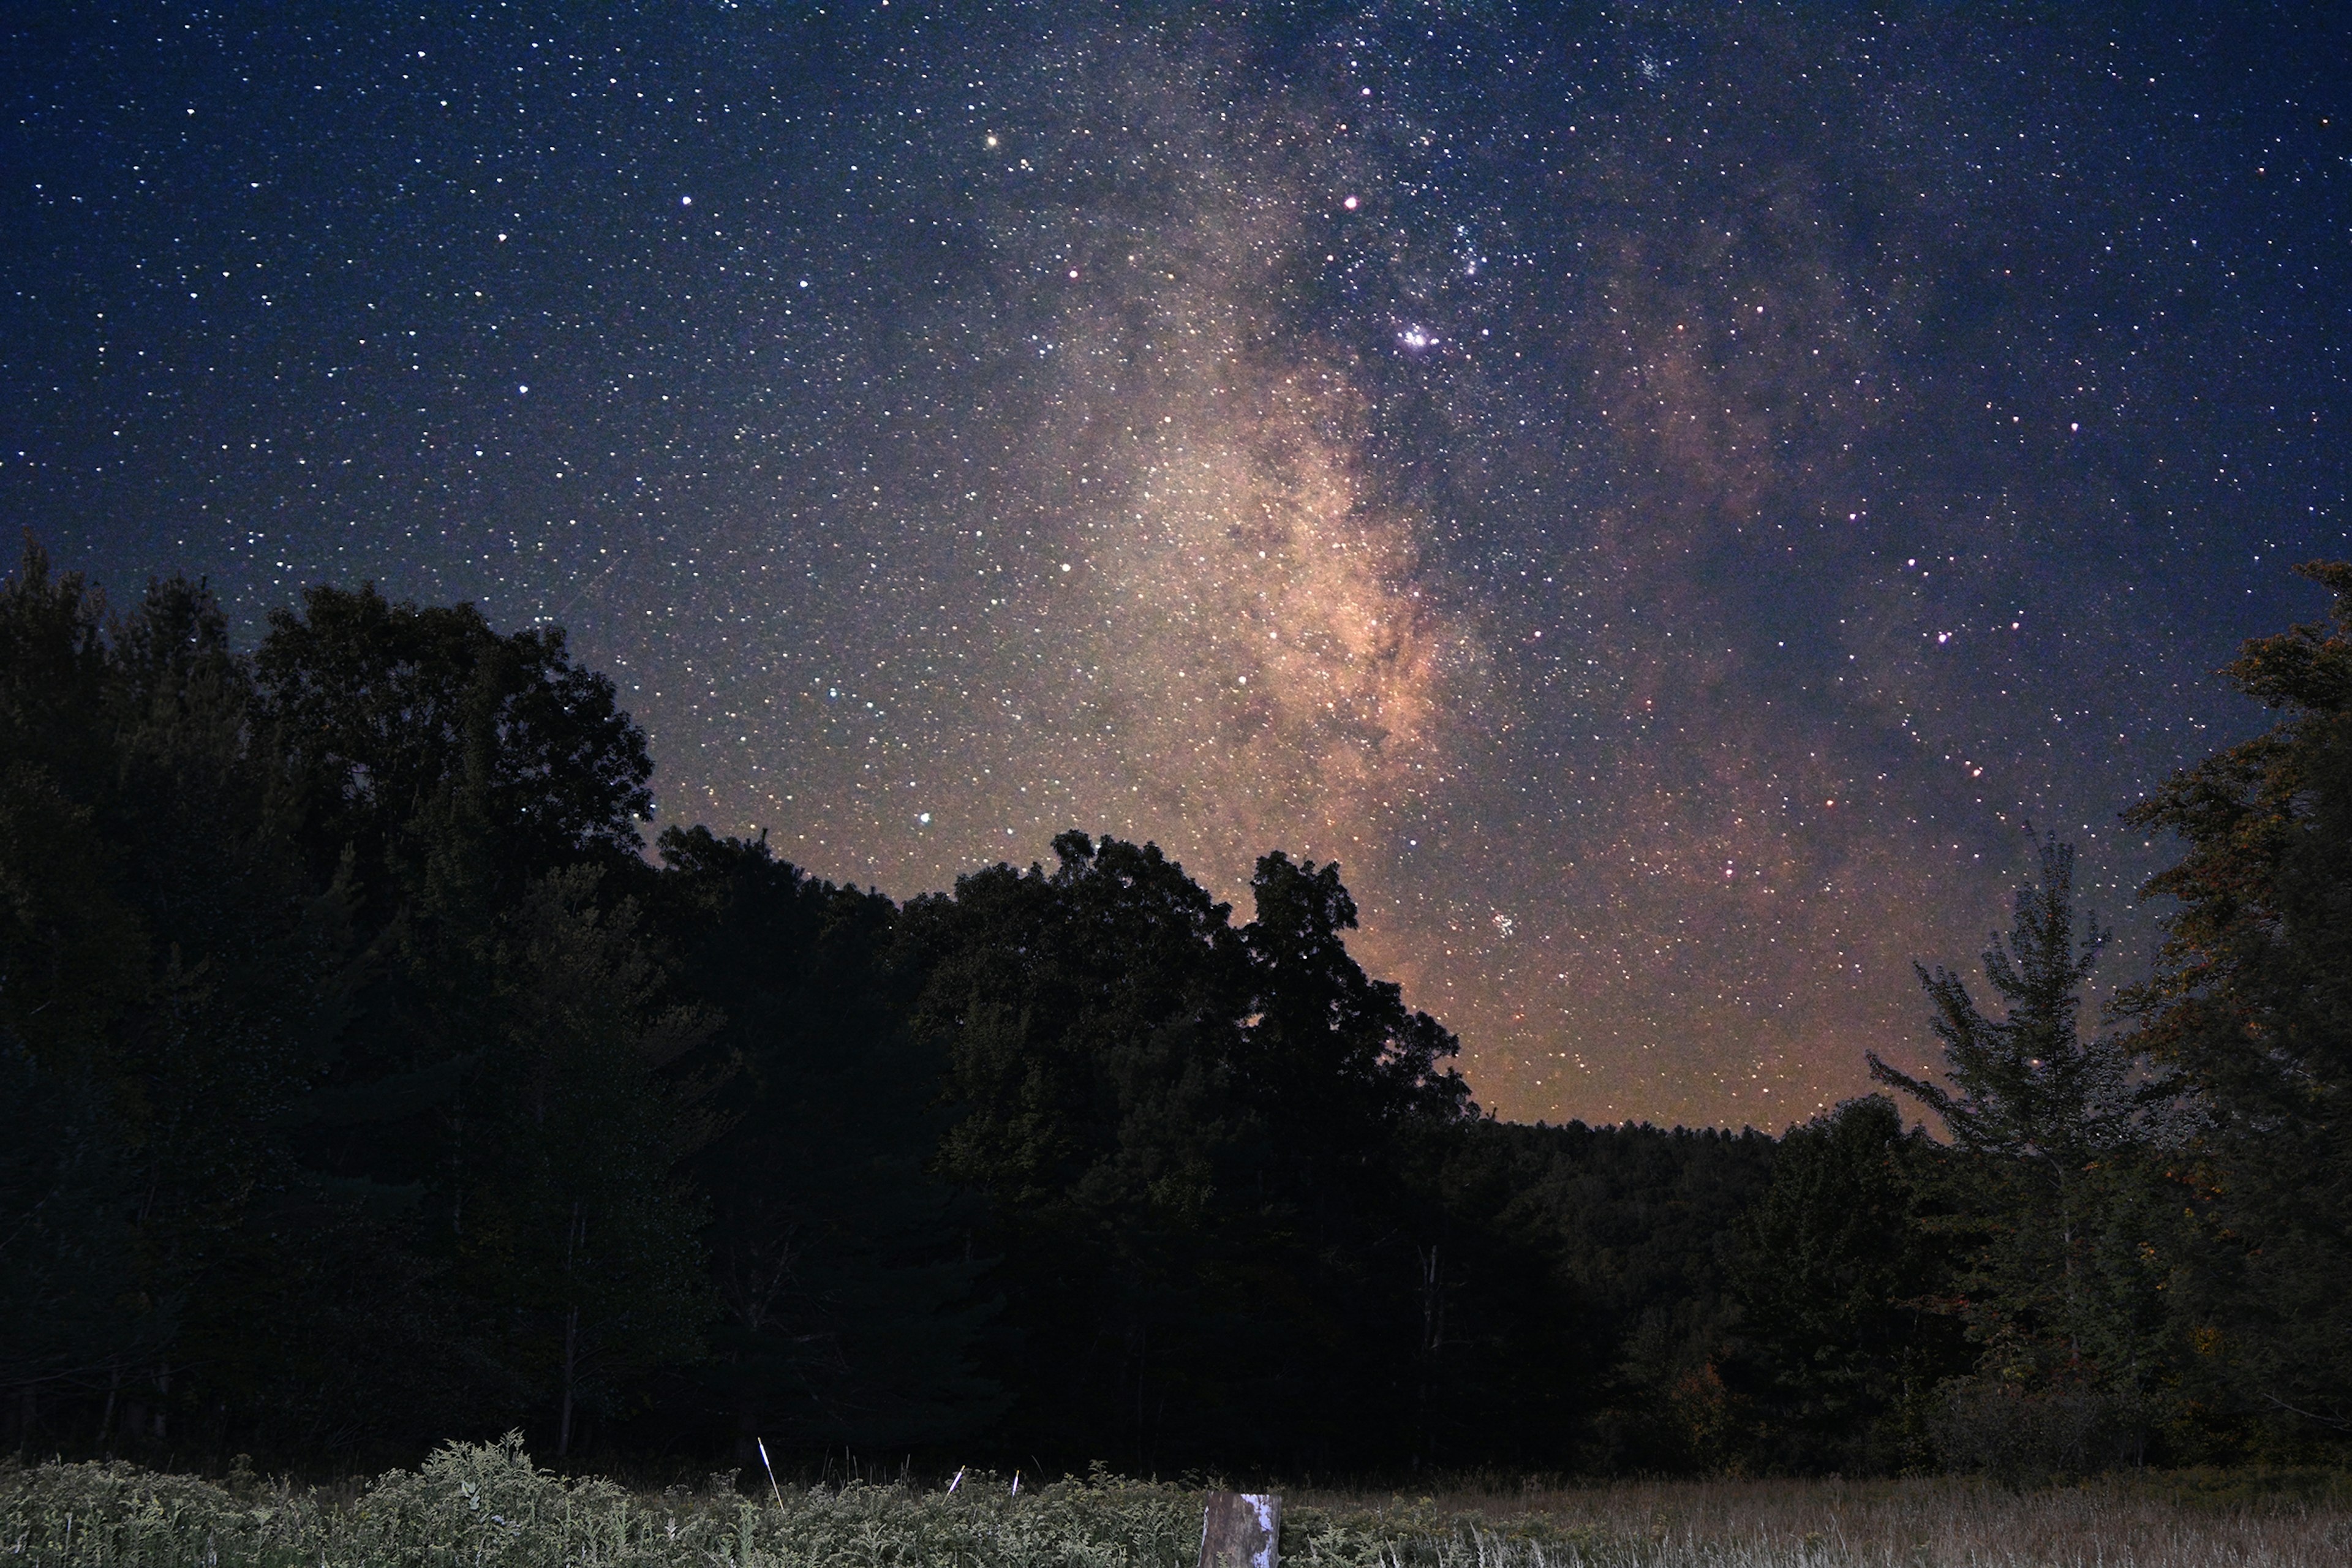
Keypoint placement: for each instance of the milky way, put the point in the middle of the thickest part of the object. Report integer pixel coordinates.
(1662, 495)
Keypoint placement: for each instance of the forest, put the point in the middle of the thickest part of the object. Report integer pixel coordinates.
(368, 1080)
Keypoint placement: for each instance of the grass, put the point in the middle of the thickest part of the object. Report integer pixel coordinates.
(2185, 1521)
(487, 1503)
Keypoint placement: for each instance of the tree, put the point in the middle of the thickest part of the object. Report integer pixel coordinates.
(1086, 1022)
(1838, 1341)
(265, 927)
(1332, 1050)
(74, 956)
(1612, 1356)
(1094, 1015)
(842, 1262)
(476, 798)
(580, 1227)
(2252, 1003)
(74, 1313)
(390, 720)
(2047, 1127)
(1198, 1145)
(1358, 1113)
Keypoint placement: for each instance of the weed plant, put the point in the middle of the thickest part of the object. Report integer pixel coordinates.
(479, 1504)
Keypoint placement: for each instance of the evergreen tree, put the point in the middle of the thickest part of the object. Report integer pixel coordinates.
(2062, 1287)
(361, 1084)
(2252, 1001)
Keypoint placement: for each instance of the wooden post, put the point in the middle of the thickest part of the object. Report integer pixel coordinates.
(1241, 1530)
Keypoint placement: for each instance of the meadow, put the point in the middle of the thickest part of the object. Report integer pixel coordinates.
(477, 1504)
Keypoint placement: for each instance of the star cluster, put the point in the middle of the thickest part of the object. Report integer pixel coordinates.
(1663, 496)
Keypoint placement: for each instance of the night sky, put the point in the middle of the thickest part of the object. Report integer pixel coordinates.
(1661, 494)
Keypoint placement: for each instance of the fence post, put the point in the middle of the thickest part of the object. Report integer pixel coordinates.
(1241, 1530)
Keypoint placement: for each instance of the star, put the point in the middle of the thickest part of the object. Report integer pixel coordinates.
(1652, 611)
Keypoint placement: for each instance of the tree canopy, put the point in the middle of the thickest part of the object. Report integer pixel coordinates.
(365, 1081)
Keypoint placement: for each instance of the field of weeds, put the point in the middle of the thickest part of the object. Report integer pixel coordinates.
(487, 1503)
(2179, 1520)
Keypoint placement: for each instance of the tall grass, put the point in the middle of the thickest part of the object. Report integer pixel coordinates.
(2187, 1520)
(488, 1504)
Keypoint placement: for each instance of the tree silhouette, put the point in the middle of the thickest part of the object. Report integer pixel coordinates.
(2252, 1001)
(2046, 1125)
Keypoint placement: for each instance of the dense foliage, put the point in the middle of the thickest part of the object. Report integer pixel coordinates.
(364, 1081)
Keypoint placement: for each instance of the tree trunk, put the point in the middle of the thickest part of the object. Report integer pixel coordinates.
(571, 1367)
(573, 1239)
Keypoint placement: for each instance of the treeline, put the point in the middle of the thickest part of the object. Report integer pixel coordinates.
(364, 1082)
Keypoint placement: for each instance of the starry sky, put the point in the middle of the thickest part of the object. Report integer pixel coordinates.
(1663, 494)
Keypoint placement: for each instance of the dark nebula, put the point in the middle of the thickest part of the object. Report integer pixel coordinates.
(1661, 494)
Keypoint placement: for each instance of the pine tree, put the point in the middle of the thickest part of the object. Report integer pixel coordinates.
(2047, 1129)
